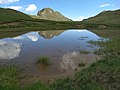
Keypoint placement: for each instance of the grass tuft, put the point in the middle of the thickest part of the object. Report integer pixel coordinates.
(84, 52)
(81, 64)
(43, 60)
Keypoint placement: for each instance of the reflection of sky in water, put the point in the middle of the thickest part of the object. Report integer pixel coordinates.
(68, 61)
(32, 36)
(71, 60)
(32, 44)
(9, 50)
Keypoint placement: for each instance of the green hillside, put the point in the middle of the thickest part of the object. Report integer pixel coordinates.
(9, 15)
(15, 20)
(50, 19)
(105, 17)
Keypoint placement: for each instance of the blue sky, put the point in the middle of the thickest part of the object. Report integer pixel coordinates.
(74, 9)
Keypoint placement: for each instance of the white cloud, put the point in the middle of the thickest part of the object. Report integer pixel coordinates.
(8, 1)
(15, 7)
(80, 18)
(9, 50)
(104, 5)
(31, 8)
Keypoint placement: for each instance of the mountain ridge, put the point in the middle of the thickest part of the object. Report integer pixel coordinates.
(105, 17)
(50, 14)
(10, 15)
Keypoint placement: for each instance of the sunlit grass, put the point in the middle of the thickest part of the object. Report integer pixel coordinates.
(8, 77)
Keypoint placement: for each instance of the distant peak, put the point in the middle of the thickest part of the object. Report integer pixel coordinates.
(104, 11)
(47, 9)
(50, 14)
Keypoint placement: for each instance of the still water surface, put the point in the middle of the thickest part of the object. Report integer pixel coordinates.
(62, 47)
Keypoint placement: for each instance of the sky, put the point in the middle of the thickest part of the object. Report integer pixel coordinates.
(74, 9)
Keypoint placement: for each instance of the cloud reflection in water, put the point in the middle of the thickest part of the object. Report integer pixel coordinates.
(33, 37)
(9, 50)
(68, 61)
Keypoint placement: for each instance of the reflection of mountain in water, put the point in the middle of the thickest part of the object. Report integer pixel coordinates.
(4, 34)
(9, 50)
(33, 37)
(50, 34)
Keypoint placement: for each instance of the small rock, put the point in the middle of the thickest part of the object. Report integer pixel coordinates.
(102, 26)
(75, 69)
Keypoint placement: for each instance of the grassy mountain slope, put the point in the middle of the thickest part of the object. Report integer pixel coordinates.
(15, 20)
(9, 15)
(105, 17)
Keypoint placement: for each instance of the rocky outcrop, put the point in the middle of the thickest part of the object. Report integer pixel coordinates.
(102, 26)
(49, 14)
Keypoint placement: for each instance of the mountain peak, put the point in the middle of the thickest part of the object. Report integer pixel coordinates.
(50, 14)
(47, 8)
